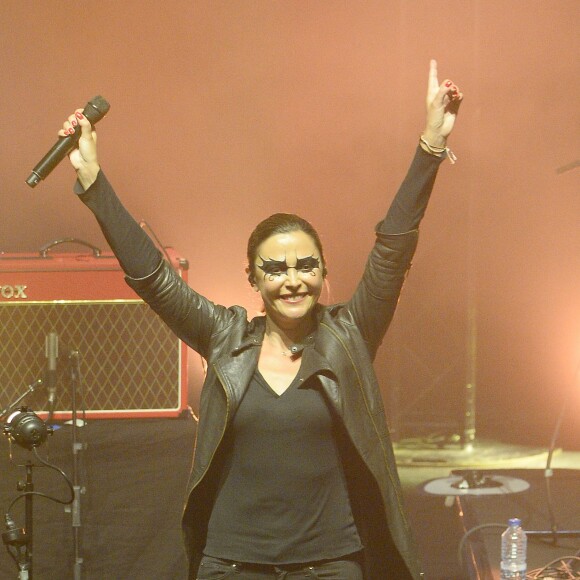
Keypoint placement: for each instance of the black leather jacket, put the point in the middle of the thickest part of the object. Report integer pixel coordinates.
(346, 339)
(345, 342)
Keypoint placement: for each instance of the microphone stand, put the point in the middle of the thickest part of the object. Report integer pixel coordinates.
(28, 488)
(22, 539)
(74, 366)
(554, 533)
(29, 389)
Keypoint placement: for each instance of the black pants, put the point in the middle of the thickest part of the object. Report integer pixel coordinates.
(218, 569)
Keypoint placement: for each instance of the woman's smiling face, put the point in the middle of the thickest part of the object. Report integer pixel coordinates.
(288, 275)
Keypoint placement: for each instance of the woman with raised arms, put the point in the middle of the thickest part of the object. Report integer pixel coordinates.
(293, 472)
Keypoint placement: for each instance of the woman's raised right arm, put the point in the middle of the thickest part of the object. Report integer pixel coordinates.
(192, 317)
(134, 249)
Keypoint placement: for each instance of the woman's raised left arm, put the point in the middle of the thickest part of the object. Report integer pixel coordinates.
(374, 302)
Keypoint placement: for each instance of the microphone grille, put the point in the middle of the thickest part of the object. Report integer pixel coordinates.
(96, 109)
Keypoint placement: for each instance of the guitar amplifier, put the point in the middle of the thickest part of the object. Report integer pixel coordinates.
(119, 357)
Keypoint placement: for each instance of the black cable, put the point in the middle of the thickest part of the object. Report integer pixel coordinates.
(40, 494)
(12, 555)
(468, 533)
(549, 567)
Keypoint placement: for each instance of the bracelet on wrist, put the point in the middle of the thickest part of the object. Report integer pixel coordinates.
(437, 151)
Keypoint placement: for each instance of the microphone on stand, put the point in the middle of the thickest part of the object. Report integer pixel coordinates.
(51, 353)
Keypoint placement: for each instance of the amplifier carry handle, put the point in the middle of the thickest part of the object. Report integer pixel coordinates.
(44, 249)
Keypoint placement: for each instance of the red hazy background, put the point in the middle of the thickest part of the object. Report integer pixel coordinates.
(223, 112)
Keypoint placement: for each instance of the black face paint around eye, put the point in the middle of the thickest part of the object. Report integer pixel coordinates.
(275, 268)
(307, 264)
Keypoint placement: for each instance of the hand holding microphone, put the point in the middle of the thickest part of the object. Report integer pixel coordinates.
(83, 157)
(77, 140)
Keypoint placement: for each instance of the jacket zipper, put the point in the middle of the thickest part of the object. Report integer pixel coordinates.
(395, 487)
(220, 376)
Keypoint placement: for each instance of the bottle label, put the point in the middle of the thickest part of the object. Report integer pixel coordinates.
(513, 567)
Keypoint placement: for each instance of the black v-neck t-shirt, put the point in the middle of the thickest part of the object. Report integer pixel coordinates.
(282, 497)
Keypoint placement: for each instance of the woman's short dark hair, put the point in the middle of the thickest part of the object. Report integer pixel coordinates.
(280, 223)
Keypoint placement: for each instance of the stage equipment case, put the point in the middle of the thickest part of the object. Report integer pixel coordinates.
(131, 365)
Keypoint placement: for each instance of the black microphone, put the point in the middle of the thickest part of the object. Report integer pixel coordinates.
(94, 111)
(51, 353)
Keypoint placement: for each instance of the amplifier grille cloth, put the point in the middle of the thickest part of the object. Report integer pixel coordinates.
(129, 359)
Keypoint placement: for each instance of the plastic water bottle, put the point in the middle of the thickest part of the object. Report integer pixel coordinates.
(513, 551)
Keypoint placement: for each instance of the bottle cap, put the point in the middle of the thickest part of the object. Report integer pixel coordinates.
(515, 522)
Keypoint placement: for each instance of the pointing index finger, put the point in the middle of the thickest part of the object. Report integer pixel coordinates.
(433, 82)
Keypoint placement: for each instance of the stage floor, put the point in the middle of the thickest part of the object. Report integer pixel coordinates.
(481, 453)
(133, 473)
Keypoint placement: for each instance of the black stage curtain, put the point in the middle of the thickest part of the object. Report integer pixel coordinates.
(134, 472)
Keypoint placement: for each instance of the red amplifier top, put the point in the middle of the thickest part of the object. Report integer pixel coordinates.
(44, 276)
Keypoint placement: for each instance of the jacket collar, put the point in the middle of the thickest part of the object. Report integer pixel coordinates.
(236, 369)
(256, 328)
(254, 335)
